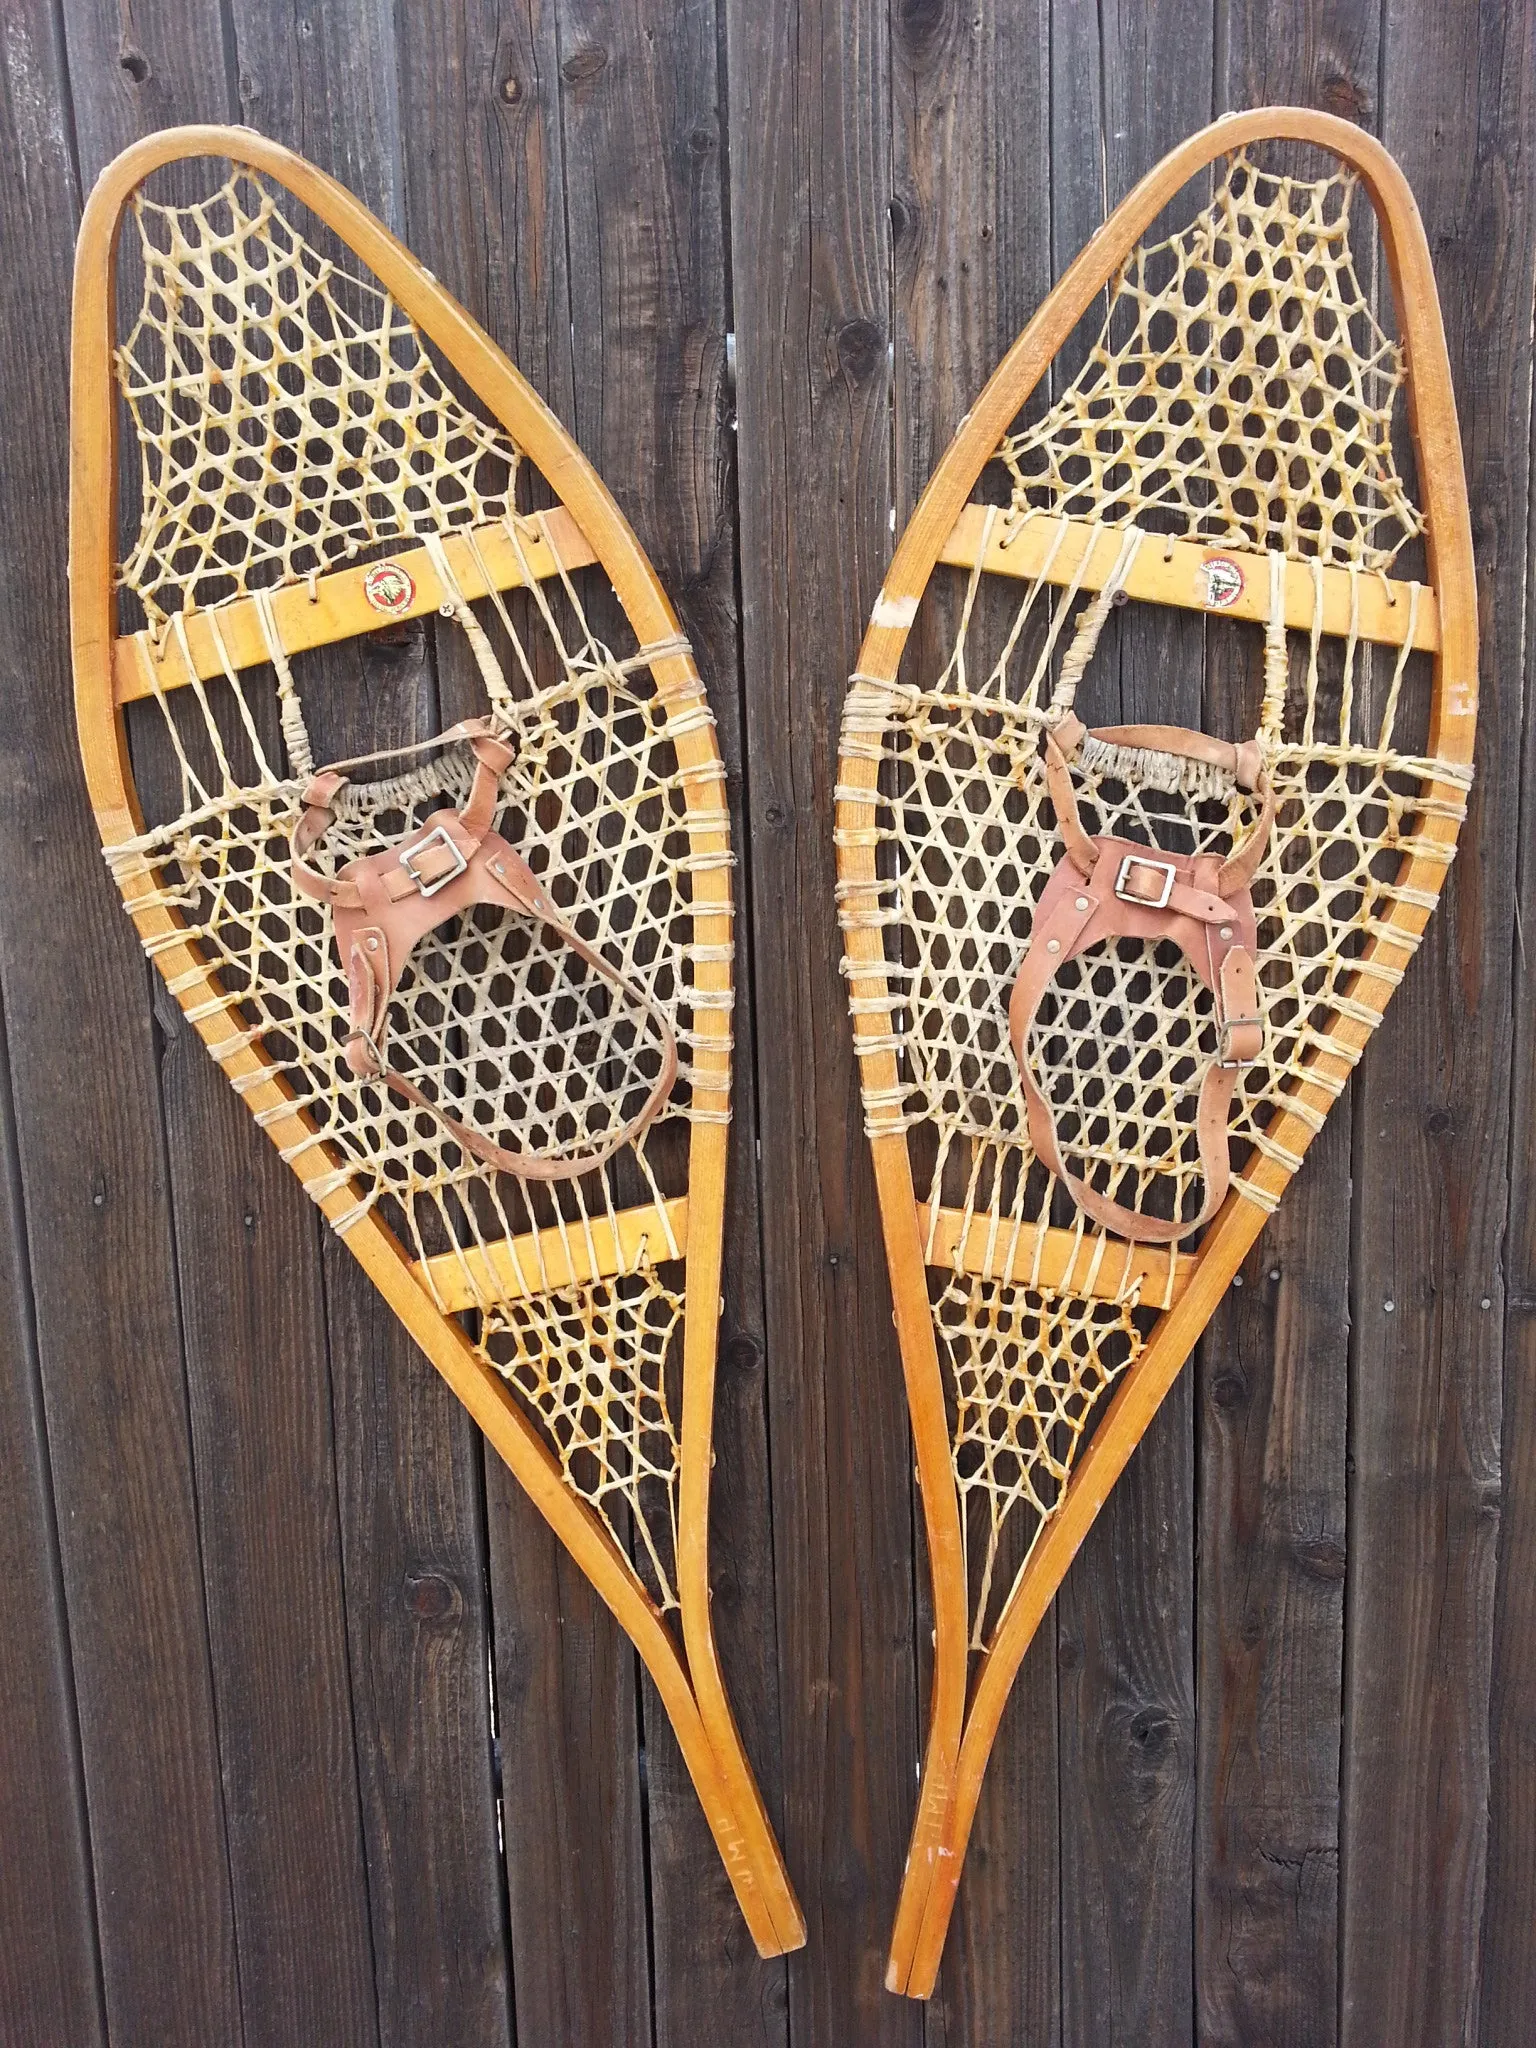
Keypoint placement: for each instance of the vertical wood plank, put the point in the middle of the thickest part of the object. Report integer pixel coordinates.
(418, 1632)
(1508, 1992)
(1273, 1404)
(485, 207)
(49, 1968)
(1508, 1963)
(254, 1330)
(1432, 1140)
(91, 1148)
(810, 226)
(1124, 92)
(259, 1402)
(1273, 1389)
(327, 82)
(643, 143)
(971, 230)
(1508, 255)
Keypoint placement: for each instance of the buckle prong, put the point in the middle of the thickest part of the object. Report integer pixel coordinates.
(438, 836)
(1165, 868)
(365, 1038)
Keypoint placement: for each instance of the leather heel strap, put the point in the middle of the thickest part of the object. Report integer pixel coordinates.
(385, 903)
(379, 923)
(500, 875)
(1130, 892)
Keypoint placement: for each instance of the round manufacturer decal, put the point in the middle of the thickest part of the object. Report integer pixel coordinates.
(388, 589)
(1223, 581)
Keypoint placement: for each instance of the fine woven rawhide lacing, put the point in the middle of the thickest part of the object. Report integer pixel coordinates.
(1240, 383)
(1154, 438)
(494, 1016)
(1026, 1370)
(287, 415)
(591, 1362)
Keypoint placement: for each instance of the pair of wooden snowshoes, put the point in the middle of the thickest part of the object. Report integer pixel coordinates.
(481, 997)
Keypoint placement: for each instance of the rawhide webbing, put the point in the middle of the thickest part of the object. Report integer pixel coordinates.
(386, 902)
(1104, 888)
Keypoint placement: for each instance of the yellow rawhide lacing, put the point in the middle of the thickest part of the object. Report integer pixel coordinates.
(1026, 1370)
(591, 1363)
(287, 415)
(1241, 391)
(290, 417)
(1240, 383)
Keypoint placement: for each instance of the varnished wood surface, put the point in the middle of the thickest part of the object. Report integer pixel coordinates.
(1270, 1776)
(1078, 555)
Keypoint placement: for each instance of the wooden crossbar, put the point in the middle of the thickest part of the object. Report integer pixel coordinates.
(1070, 1261)
(540, 1261)
(1179, 572)
(336, 606)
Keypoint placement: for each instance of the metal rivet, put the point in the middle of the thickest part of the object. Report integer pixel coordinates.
(1053, 945)
(1388, 1306)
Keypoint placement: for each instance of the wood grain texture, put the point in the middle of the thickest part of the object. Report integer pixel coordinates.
(259, 1401)
(1508, 1958)
(407, 1462)
(810, 225)
(1273, 1408)
(485, 208)
(970, 163)
(561, 161)
(1504, 254)
(1273, 1398)
(91, 1145)
(643, 137)
(49, 1970)
(1126, 1609)
(1432, 1142)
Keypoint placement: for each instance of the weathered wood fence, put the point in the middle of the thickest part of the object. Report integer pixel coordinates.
(1270, 1777)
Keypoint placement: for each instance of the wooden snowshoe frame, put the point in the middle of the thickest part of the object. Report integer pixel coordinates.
(1037, 1316)
(557, 1291)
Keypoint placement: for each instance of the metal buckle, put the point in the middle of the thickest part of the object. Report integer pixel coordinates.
(1164, 868)
(440, 836)
(372, 1050)
(1224, 1041)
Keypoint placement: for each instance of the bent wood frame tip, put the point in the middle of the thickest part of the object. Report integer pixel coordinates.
(687, 1677)
(962, 1730)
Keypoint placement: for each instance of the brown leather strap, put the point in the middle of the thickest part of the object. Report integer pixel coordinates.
(1105, 888)
(385, 903)
(493, 756)
(1244, 761)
